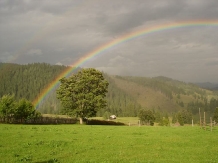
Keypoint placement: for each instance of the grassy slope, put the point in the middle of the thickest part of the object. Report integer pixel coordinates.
(146, 96)
(151, 98)
(81, 143)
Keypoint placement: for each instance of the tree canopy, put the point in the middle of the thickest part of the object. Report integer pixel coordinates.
(83, 94)
(7, 106)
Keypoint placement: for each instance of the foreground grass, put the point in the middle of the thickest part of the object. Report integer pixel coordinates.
(81, 143)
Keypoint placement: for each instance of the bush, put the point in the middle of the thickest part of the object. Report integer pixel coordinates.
(146, 117)
(215, 116)
(184, 117)
(164, 122)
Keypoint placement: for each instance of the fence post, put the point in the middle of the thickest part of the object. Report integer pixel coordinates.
(200, 116)
(211, 124)
(204, 122)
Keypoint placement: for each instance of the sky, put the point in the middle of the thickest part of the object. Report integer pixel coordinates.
(62, 32)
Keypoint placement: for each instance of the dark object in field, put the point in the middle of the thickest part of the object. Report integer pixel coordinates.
(103, 122)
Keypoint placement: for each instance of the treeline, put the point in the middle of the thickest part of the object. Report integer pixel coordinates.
(27, 81)
(149, 117)
(207, 106)
(182, 117)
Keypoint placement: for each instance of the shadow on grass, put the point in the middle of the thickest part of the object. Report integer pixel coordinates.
(54, 160)
(103, 122)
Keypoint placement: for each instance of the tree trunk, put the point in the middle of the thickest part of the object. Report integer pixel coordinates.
(81, 120)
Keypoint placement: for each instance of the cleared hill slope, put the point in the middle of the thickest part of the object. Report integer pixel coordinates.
(165, 94)
(146, 96)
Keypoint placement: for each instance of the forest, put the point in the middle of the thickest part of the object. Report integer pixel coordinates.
(126, 94)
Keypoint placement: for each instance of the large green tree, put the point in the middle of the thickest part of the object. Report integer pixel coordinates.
(83, 94)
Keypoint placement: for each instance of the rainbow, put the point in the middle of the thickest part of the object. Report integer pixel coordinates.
(129, 36)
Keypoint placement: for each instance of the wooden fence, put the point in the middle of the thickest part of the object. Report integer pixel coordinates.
(41, 120)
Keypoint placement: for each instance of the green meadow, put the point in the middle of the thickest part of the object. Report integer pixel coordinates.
(83, 143)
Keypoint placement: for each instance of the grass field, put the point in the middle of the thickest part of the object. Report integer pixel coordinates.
(82, 143)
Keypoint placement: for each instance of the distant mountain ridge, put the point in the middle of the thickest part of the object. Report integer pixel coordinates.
(208, 85)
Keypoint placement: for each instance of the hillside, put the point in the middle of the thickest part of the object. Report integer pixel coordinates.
(166, 95)
(26, 81)
(145, 95)
(126, 94)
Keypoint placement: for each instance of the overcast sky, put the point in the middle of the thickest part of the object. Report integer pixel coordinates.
(61, 32)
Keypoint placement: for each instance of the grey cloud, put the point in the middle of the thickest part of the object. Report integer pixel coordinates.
(138, 13)
(201, 9)
(6, 57)
(10, 7)
(34, 52)
(212, 63)
(56, 31)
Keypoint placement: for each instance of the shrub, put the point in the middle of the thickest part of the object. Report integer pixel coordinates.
(146, 116)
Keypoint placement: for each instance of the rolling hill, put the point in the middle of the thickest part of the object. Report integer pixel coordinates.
(126, 94)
